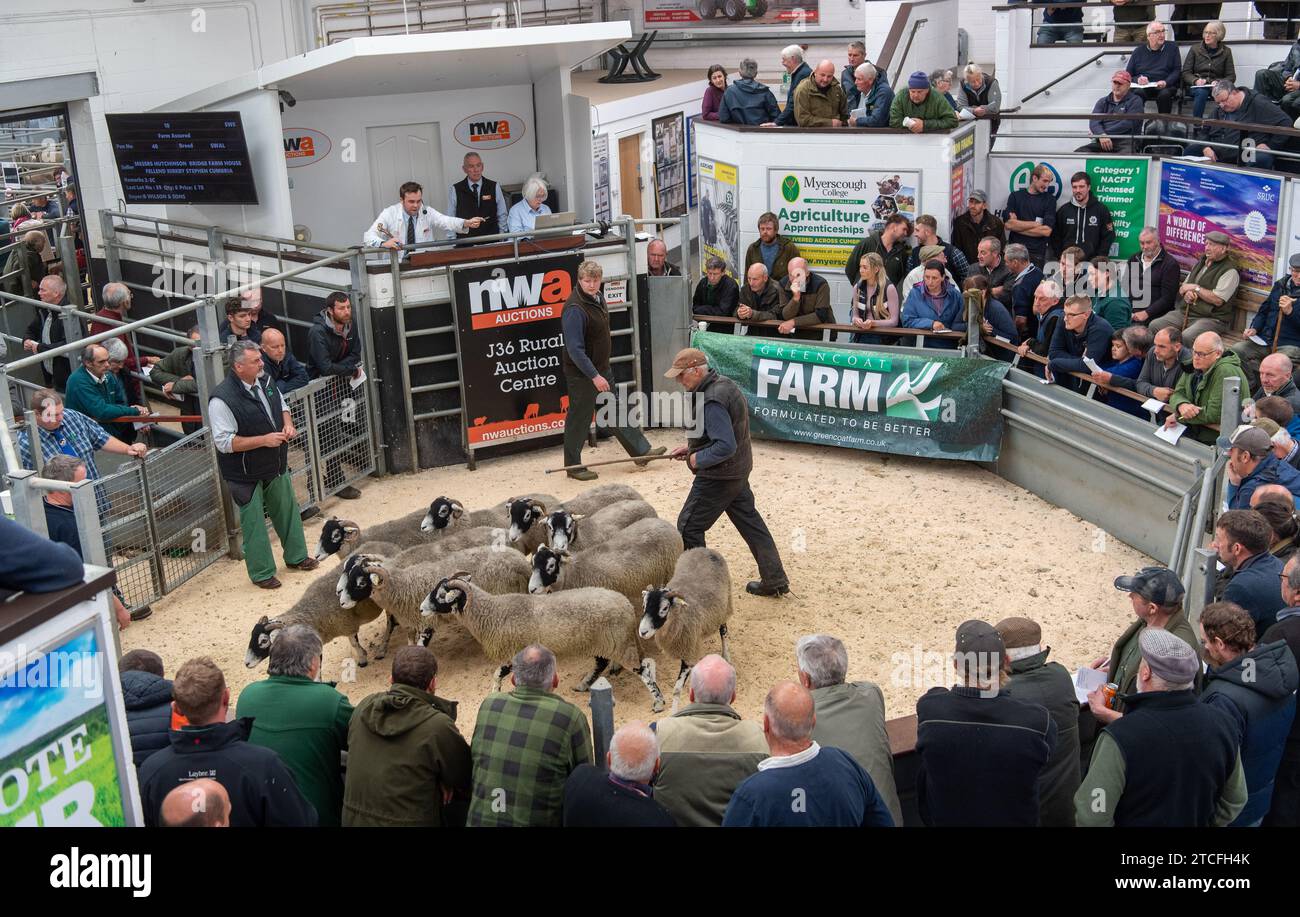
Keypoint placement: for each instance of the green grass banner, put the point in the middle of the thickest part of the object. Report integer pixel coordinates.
(932, 405)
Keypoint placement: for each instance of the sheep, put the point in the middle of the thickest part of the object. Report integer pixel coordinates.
(592, 622)
(343, 537)
(398, 590)
(446, 512)
(524, 512)
(679, 615)
(642, 554)
(563, 533)
(318, 609)
(455, 540)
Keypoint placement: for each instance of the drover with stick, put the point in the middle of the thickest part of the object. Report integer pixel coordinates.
(721, 460)
(587, 346)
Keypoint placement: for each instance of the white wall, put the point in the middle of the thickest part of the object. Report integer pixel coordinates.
(333, 197)
(554, 155)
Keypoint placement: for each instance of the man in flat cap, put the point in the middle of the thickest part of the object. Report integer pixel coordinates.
(1204, 300)
(1252, 464)
(981, 750)
(720, 457)
(1037, 681)
(1277, 323)
(1169, 761)
(1157, 597)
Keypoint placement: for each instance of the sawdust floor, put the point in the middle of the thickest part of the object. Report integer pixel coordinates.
(889, 554)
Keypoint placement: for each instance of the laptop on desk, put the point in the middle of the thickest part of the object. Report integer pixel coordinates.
(555, 220)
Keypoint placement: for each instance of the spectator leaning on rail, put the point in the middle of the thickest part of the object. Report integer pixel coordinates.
(1206, 295)
(705, 748)
(302, 719)
(1279, 411)
(1277, 319)
(975, 224)
(1128, 351)
(147, 697)
(850, 716)
(1030, 215)
(1247, 107)
(1048, 315)
(927, 233)
(1169, 760)
(334, 349)
(96, 392)
(793, 62)
(747, 101)
(251, 429)
(263, 791)
(1081, 333)
(175, 374)
(1255, 684)
(761, 300)
(1160, 368)
(1285, 810)
(1033, 679)
(1275, 381)
(1130, 19)
(1197, 401)
(771, 248)
(993, 269)
(981, 751)
(532, 204)
(68, 432)
(1115, 309)
(820, 101)
(1083, 221)
(621, 796)
(408, 765)
(920, 109)
(1115, 135)
(928, 253)
(281, 366)
(934, 304)
(807, 301)
(941, 82)
(1155, 273)
(656, 259)
(1155, 67)
(980, 95)
(871, 98)
(803, 784)
(873, 302)
(1205, 64)
(117, 300)
(712, 102)
(238, 323)
(995, 319)
(1280, 81)
(1242, 538)
(526, 744)
(1024, 282)
(891, 243)
(716, 293)
(46, 332)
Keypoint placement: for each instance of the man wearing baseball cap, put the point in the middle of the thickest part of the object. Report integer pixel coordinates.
(721, 459)
(978, 222)
(1115, 135)
(1037, 681)
(1169, 761)
(982, 751)
(1277, 318)
(1157, 598)
(1204, 300)
(1251, 463)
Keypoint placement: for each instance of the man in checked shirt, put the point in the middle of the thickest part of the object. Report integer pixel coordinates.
(526, 743)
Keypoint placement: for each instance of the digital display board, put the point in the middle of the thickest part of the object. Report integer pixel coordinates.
(197, 157)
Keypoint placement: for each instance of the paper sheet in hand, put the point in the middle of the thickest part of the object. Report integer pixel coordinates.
(359, 378)
(1154, 406)
(857, 113)
(1086, 681)
(1256, 339)
(1172, 434)
(1093, 365)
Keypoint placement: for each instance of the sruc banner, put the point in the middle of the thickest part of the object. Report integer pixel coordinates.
(931, 405)
(509, 337)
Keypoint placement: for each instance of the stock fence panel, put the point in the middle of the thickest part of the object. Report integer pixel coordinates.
(127, 543)
(185, 506)
(301, 464)
(345, 443)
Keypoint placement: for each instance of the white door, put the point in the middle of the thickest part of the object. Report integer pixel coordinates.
(402, 153)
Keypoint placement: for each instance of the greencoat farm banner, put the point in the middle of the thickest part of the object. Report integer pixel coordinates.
(931, 405)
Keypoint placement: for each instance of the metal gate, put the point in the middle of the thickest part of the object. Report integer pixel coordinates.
(335, 442)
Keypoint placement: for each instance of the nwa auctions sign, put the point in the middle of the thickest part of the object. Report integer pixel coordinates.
(932, 405)
(509, 336)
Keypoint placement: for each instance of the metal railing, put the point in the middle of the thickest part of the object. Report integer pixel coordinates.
(1095, 27)
(341, 21)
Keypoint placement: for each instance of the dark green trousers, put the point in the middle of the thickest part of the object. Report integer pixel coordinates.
(582, 405)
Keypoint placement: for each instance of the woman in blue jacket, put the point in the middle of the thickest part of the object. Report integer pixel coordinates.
(935, 305)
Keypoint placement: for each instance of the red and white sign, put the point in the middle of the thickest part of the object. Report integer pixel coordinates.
(304, 145)
(490, 130)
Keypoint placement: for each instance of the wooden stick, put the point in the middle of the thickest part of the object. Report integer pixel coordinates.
(642, 458)
(1277, 328)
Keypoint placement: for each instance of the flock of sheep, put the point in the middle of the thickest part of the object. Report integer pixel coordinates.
(600, 575)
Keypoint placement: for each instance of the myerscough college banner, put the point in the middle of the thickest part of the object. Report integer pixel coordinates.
(931, 405)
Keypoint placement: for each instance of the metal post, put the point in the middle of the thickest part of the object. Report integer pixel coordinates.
(974, 341)
(86, 509)
(601, 699)
(313, 445)
(151, 526)
(71, 276)
(28, 511)
(208, 373)
(634, 304)
(1203, 510)
(1180, 534)
(1200, 583)
(1229, 417)
(7, 442)
(70, 316)
(112, 259)
(400, 315)
(360, 301)
(34, 441)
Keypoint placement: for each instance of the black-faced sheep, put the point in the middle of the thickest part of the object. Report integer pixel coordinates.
(566, 531)
(690, 607)
(447, 513)
(319, 609)
(526, 513)
(586, 622)
(641, 555)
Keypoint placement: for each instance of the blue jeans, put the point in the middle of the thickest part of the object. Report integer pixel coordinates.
(1200, 99)
(1071, 33)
